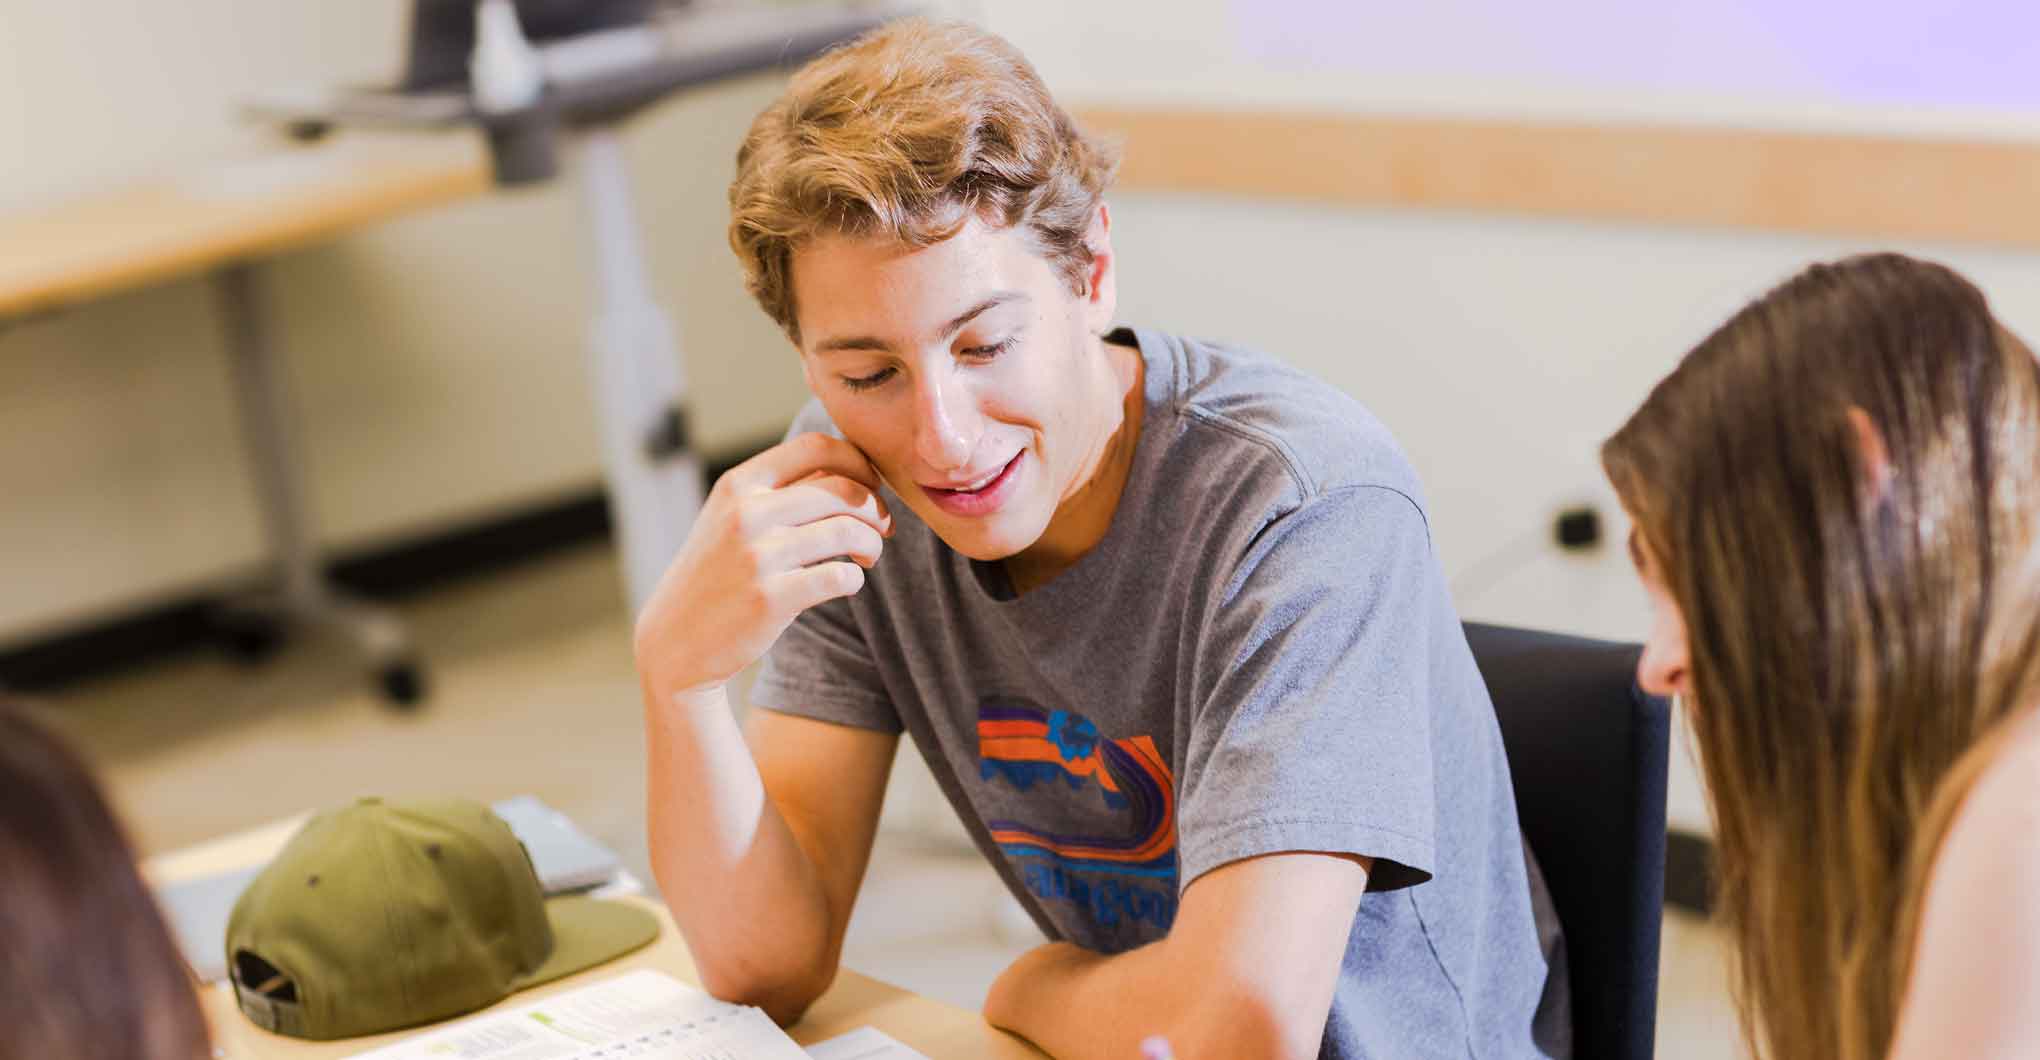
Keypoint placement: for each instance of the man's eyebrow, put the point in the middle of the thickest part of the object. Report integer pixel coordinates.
(857, 342)
(872, 342)
(1000, 298)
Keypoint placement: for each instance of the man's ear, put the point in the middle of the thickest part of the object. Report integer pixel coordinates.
(1101, 294)
(1874, 458)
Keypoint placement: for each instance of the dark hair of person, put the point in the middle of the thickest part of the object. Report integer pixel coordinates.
(88, 970)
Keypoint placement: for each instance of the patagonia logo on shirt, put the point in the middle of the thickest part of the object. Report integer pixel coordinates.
(1095, 824)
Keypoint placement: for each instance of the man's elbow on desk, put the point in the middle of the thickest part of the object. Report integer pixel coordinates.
(1248, 969)
(1076, 1005)
(1244, 1024)
(784, 993)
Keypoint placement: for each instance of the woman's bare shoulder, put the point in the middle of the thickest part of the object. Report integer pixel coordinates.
(1975, 987)
(2007, 792)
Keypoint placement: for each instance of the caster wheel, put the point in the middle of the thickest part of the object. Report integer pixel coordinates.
(403, 684)
(251, 641)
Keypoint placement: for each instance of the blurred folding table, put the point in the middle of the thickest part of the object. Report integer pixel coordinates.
(936, 1029)
(226, 219)
(221, 220)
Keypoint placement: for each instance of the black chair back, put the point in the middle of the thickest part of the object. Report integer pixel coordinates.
(1588, 753)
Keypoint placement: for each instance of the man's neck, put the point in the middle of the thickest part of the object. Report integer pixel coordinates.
(1085, 516)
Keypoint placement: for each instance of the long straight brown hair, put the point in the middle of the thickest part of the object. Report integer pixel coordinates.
(1847, 617)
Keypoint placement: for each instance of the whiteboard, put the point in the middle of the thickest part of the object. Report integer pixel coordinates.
(1939, 68)
(1939, 53)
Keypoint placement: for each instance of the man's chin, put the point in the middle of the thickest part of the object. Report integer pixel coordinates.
(981, 550)
(984, 540)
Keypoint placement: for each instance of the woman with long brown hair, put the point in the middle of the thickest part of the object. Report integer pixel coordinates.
(87, 967)
(1835, 499)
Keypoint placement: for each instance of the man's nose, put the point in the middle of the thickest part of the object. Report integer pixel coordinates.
(946, 422)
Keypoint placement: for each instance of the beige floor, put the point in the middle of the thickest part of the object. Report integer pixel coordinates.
(533, 692)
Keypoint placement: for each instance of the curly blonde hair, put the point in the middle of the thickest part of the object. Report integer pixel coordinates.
(907, 133)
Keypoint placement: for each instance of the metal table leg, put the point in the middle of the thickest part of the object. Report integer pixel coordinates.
(301, 600)
(653, 475)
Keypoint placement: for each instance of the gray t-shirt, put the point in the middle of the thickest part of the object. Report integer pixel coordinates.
(1259, 656)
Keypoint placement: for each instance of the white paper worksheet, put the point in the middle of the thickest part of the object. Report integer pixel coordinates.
(864, 1043)
(643, 1015)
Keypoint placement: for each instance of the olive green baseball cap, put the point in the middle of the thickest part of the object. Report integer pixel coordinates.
(383, 915)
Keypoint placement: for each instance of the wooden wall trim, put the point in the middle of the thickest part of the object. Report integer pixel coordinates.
(1863, 186)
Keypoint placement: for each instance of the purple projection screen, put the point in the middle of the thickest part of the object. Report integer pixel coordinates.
(1877, 53)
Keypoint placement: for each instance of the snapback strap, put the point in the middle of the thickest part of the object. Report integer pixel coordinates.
(270, 1014)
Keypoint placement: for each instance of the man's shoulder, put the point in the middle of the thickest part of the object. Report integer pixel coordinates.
(1238, 398)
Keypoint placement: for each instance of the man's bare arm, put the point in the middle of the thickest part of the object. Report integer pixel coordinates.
(1248, 969)
(759, 849)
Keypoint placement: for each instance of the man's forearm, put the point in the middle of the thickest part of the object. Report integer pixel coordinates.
(1077, 1005)
(1074, 1003)
(744, 893)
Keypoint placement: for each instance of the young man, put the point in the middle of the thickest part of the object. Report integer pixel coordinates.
(1162, 616)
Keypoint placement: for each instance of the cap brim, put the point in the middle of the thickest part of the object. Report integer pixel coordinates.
(588, 931)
